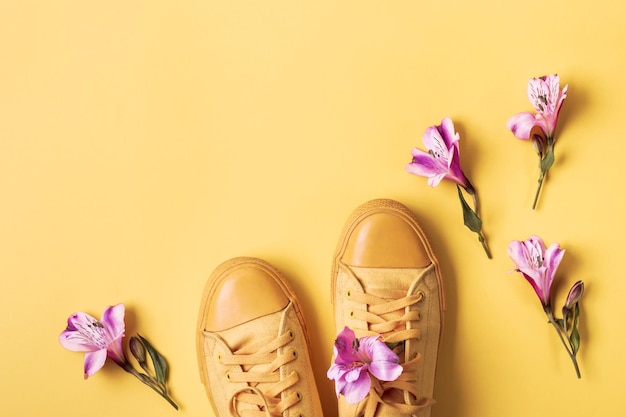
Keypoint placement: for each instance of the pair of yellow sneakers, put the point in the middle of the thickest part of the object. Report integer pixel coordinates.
(252, 343)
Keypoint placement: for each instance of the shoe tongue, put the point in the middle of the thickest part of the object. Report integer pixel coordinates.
(249, 336)
(396, 279)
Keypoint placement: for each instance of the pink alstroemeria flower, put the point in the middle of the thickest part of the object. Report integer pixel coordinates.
(442, 159)
(357, 361)
(537, 264)
(547, 98)
(98, 339)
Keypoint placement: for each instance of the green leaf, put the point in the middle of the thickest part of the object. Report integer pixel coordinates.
(575, 336)
(158, 361)
(470, 218)
(547, 160)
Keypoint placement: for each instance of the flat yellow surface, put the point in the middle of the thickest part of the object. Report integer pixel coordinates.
(142, 143)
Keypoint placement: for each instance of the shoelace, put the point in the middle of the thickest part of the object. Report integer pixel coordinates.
(261, 364)
(387, 314)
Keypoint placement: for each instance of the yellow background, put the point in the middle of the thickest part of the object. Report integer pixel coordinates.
(142, 143)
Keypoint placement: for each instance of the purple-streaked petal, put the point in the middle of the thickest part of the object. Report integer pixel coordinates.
(385, 370)
(520, 124)
(525, 257)
(539, 95)
(344, 347)
(356, 391)
(334, 372)
(435, 180)
(94, 361)
(337, 373)
(518, 254)
(354, 373)
(447, 133)
(537, 264)
(562, 97)
(113, 321)
(552, 259)
(455, 173)
(553, 87)
(536, 281)
(425, 165)
(434, 142)
(434, 169)
(374, 349)
(79, 337)
(383, 362)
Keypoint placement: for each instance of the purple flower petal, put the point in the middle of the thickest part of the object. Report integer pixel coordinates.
(385, 371)
(345, 347)
(357, 390)
(546, 97)
(520, 124)
(98, 339)
(537, 264)
(384, 363)
(113, 321)
(78, 336)
(447, 133)
(442, 160)
(94, 361)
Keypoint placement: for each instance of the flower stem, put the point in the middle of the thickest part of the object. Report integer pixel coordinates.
(152, 383)
(567, 346)
(482, 240)
(540, 181)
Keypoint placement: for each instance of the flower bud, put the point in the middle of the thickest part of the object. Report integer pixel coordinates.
(574, 295)
(137, 349)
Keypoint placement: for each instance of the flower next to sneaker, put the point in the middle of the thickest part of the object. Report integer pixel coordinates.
(358, 361)
(442, 161)
(98, 339)
(103, 339)
(547, 97)
(539, 265)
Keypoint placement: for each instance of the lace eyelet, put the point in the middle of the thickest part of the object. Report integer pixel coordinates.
(348, 293)
(291, 334)
(423, 295)
(227, 376)
(351, 313)
(299, 396)
(294, 354)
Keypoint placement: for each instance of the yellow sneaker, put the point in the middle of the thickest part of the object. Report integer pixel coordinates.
(252, 344)
(386, 280)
